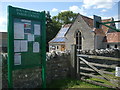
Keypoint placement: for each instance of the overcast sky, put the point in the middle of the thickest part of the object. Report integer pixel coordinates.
(103, 8)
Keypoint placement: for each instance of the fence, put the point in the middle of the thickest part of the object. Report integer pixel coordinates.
(99, 70)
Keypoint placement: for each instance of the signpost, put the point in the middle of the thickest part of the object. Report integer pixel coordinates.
(97, 23)
(26, 41)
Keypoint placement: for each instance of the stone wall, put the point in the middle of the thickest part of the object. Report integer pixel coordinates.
(57, 67)
(102, 52)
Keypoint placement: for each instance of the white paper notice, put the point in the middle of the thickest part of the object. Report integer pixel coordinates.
(17, 59)
(36, 48)
(18, 31)
(30, 37)
(24, 46)
(36, 29)
(17, 45)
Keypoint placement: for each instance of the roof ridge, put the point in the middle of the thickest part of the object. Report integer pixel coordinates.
(106, 19)
(92, 19)
(86, 17)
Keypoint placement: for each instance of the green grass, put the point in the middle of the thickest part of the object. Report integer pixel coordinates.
(101, 81)
(105, 81)
(71, 83)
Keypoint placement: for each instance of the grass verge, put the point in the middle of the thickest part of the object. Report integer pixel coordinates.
(72, 83)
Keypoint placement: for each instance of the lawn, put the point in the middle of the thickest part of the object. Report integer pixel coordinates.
(112, 77)
(72, 83)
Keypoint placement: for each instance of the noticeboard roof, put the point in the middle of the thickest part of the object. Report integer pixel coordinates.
(25, 13)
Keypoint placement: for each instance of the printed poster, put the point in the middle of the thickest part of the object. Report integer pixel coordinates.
(27, 28)
(24, 45)
(36, 29)
(17, 46)
(36, 47)
(18, 31)
(20, 45)
(30, 37)
(17, 59)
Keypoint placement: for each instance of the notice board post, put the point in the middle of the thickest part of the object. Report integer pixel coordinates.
(26, 41)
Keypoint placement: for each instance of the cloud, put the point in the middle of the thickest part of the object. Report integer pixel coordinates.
(104, 10)
(3, 24)
(63, 10)
(98, 4)
(41, 1)
(3, 20)
(1, 9)
(54, 10)
(116, 18)
(76, 9)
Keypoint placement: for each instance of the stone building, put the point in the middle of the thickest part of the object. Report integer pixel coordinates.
(112, 40)
(3, 42)
(82, 33)
(58, 43)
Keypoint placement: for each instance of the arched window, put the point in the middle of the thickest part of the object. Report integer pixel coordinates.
(78, 40)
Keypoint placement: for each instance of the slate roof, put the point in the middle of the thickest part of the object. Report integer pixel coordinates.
(113, 37)
(60, 36)
(58, 40)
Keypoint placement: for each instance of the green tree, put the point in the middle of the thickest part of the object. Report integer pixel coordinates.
(52, 28)
(53, 24)
(65, 17)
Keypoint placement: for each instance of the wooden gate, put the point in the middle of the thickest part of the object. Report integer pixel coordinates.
(97, 70)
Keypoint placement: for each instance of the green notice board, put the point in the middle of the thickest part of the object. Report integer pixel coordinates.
(26, 40)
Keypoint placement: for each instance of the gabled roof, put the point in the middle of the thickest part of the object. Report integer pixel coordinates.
(89, 22)
(113, 37)
(60, 36)
(103, 30)
(99, 31)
